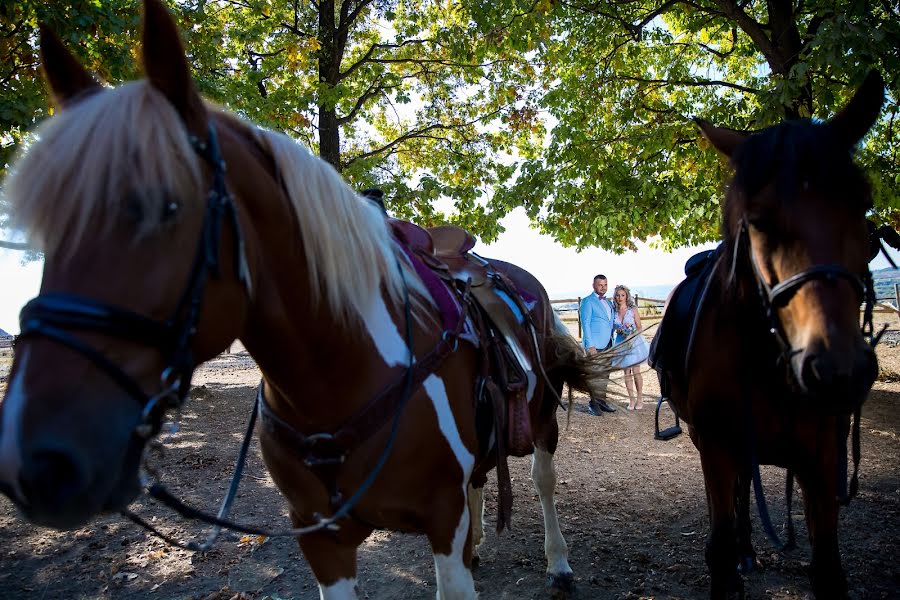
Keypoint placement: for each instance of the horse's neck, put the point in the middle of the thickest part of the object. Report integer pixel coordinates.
(308, 355)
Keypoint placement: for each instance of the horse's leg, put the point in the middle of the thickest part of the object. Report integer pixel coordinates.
(476, 514)
(820, 502)
(333, 559)
(451, 543)
(720, 475)
(559, 573)
(746, 553)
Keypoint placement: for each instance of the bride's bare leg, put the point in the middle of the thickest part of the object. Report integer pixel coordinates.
(638, 386)
(629, 385)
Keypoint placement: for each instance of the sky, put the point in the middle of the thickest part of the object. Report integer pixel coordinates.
(565, 272)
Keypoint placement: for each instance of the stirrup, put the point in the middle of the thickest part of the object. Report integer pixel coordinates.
(670, 432)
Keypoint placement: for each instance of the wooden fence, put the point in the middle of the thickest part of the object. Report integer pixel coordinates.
(651, 309)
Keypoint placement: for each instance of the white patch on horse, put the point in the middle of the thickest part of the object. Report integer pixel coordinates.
(447, 424)
(384, 333)
(544, 477)
(13, 406)
(454, 580)
(343, 589)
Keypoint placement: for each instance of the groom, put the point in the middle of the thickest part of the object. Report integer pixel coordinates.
(596, 313)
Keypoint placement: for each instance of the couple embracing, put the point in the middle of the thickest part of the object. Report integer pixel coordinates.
(606, 323)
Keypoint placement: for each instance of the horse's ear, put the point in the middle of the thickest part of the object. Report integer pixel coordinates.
(66, 76)
(167, 68)
(852, 123)
(724, 140)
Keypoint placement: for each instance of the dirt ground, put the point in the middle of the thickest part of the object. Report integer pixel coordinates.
(631, 508)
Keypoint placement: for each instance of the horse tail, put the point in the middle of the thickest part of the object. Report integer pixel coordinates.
(567, 362)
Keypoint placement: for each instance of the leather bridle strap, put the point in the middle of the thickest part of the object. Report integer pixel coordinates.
(781, 293)
(56, 315)
(777, 296)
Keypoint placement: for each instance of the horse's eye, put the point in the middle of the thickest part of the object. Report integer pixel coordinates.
(763, 224)
(170, 210)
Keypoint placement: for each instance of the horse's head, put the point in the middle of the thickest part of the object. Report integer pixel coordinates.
(143, 279)
(794, 220)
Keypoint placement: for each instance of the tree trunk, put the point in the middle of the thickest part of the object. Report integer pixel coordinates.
(329, 73)
(785, 36)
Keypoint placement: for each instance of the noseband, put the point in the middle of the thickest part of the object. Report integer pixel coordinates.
(55, 315)
(777, 296)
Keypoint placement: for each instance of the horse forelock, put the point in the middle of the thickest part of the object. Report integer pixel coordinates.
(122, 152)
(349, 250)
(792, 156)
(118, 153)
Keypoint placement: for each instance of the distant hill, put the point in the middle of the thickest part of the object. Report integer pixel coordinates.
(884, 283)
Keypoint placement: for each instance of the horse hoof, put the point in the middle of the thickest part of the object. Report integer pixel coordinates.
(561, 585)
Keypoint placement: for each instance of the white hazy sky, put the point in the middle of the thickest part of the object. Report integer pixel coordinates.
(563, 271)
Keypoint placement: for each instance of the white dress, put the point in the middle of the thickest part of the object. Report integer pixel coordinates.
(634, 350)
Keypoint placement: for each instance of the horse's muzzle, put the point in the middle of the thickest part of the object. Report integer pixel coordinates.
(62, 488)
(837, 382)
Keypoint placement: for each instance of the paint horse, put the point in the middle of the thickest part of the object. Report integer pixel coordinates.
(157, 257)
(776, 359)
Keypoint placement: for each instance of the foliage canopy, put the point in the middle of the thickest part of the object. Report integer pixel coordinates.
(578, 111)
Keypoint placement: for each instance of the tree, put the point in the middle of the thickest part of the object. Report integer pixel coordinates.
(99, 32)
(452, 101)
(406, 95)
(624, 78)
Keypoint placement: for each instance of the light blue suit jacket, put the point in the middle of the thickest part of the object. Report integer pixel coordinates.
(596, 322)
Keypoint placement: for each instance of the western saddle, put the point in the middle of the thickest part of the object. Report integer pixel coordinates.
(503, 331)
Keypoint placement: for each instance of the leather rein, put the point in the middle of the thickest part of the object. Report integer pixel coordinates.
(774, 297)
(55, 315)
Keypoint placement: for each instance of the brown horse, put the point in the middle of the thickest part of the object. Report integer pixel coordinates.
(157, 258)
(777, 361)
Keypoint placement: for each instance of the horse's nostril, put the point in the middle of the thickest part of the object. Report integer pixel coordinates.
(51, 477)
(810, 372)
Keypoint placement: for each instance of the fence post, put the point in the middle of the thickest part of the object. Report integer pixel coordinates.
(578, 310)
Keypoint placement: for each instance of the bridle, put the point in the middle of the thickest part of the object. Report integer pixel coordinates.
(776, 296)
(56, 315)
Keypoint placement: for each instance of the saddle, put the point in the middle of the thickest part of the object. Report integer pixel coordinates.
(670, 349)
(671, 344)
(500, 318)
(503, 331)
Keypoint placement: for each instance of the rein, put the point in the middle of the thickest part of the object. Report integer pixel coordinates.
(777, 296)
(322, 450)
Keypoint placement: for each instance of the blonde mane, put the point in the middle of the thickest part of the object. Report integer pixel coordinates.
(124, 151)
(349, 250)
(119, 149)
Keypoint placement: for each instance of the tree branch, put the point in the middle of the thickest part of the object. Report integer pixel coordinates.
(416, 133)
(14, 245)
(375, 88)
(692, 83)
